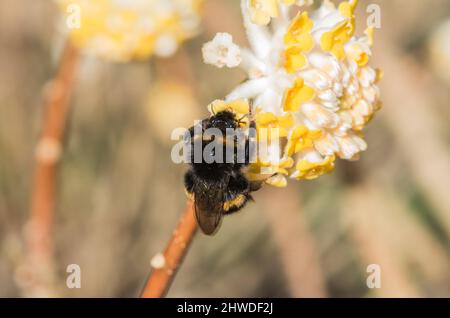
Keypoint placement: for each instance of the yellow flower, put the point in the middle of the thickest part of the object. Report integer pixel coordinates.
(369, 34)
(306, 170)
(358, 55)
(133, 29)
(268, 124)
(297, 95)
(334, 40)
(358, 50)
(262, 11)
(347, 9)
(270, 172)
(238, 107)
(300, 139)
(298, 40)
(317, 87)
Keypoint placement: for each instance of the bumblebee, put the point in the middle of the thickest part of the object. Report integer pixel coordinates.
(219, 187)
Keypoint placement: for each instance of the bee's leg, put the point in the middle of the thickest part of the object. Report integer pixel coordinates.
(255, 185)
(189, 184)
(247, 151)
(237, 194)
(237, 204)
(250, 144)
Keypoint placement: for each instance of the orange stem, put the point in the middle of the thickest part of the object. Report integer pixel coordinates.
(161, 278)
(47, 154)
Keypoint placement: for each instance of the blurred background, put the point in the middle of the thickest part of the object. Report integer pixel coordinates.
(118, 194)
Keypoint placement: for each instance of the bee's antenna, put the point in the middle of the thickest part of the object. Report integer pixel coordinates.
(250, 113)
(250, 102)
(240, 119)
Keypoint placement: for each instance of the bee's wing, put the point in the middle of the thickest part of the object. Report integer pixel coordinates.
(209, 207)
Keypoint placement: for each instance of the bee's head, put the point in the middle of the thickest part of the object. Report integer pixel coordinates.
(213, 145)
(223, 121)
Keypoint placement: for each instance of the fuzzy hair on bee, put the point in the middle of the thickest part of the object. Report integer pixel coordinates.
(218, 187)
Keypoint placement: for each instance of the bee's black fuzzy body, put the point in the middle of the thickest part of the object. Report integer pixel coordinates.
(218, 188)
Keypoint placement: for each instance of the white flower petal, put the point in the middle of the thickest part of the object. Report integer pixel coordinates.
(320, 116)
(221, 51)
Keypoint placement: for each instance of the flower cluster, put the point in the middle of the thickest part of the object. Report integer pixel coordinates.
(308, 77)
(122, 30)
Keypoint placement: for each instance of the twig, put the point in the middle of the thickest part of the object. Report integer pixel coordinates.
(296, 245)
(166, 265)
(48, 152)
